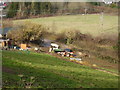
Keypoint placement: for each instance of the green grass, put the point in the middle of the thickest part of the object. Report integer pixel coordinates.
(51, 72)
(91, 24)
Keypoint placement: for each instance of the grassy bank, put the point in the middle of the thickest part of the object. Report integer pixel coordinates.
(51, 72)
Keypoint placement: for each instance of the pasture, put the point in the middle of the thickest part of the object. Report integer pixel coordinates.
(22, 69)
(94, 24)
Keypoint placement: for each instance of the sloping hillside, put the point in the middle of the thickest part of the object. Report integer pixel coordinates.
(27, 69)
(96, 25)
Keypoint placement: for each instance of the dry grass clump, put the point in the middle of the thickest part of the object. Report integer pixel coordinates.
(7, 23)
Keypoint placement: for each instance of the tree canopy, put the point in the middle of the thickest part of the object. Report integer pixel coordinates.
(26, 9)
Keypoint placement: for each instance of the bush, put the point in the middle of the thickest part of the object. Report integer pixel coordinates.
(61, 38)
(27, 32)
(72, 36)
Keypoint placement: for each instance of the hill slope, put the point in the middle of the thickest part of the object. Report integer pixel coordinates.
(92, 24)
(51, 72)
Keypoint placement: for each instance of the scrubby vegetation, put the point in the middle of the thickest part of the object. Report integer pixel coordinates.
(80, 33)
(26, 32)
(101, 48)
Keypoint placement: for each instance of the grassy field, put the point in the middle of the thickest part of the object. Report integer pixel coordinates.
(91, 24)
(20, 69)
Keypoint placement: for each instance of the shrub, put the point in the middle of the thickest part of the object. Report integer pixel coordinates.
(27, 32)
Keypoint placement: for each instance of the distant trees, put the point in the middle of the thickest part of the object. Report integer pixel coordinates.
(22, 9)
(97, 3)
(12, 11)
(114, 5)
(26, 9)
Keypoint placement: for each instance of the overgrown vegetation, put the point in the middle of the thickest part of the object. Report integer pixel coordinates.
(26, 32)
(102, 47)
(98, 47)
